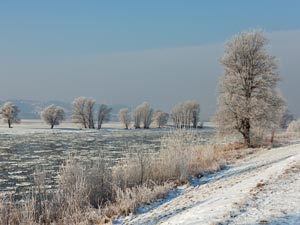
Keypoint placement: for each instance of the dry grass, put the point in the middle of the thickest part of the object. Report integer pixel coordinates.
(98, 193)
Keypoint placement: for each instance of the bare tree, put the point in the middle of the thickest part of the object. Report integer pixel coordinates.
(248, 96)
(161, 118)
(103, 114)
(124, 117)
(83, 112)
(53, 115)
(9, 113)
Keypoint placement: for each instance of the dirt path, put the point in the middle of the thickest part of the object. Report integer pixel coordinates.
(263, 188)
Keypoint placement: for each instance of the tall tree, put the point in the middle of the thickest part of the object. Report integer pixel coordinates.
(248, 89)
(9, 113)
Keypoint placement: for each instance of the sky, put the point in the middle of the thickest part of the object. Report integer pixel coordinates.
(127, 52)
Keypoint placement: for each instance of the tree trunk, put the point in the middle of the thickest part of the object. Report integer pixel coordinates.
(52, 125)
(246, 135)
(247, 140)
(194, 122)
(272, 137)
(9, 124)
(99, 126)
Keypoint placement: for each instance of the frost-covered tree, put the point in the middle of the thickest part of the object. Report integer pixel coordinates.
(79, 111)
(137, 117)
(89, 111)
(125, 118)
(142, 115)
(103, 114)
(53, 115)
(147, 114)
(177, 115)
(186, 114)
(83, 112)
(248, 96)
(9, 113)
(161, 118)
(192, 109)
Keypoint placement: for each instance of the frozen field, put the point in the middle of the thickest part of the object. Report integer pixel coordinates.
(32, 144)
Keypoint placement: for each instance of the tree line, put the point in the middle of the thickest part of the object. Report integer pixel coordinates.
(84, 113)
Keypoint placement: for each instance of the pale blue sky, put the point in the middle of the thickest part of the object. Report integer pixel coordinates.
(131, 51)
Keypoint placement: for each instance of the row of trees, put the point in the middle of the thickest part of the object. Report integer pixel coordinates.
(185, 114)
(142, 117)
(83, 113)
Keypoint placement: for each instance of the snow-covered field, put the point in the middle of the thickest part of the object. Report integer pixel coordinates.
(263, 188)
(32, 144)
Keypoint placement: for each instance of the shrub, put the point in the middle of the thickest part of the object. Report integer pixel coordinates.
(294, 126)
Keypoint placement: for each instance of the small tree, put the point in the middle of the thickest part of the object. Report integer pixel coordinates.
(124, 117)
(161, 118)
(53, 115)
(79, 113)
(137, 117)
(248, 90)
(146, 114)
(177, 115)
(9, 114)
(83, 112)
(103, 114)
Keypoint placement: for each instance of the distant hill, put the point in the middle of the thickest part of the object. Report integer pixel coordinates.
(31, 109)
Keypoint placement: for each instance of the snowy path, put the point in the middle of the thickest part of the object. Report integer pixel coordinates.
(264, 188)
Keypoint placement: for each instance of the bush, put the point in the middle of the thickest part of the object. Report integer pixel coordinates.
(294, 126)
